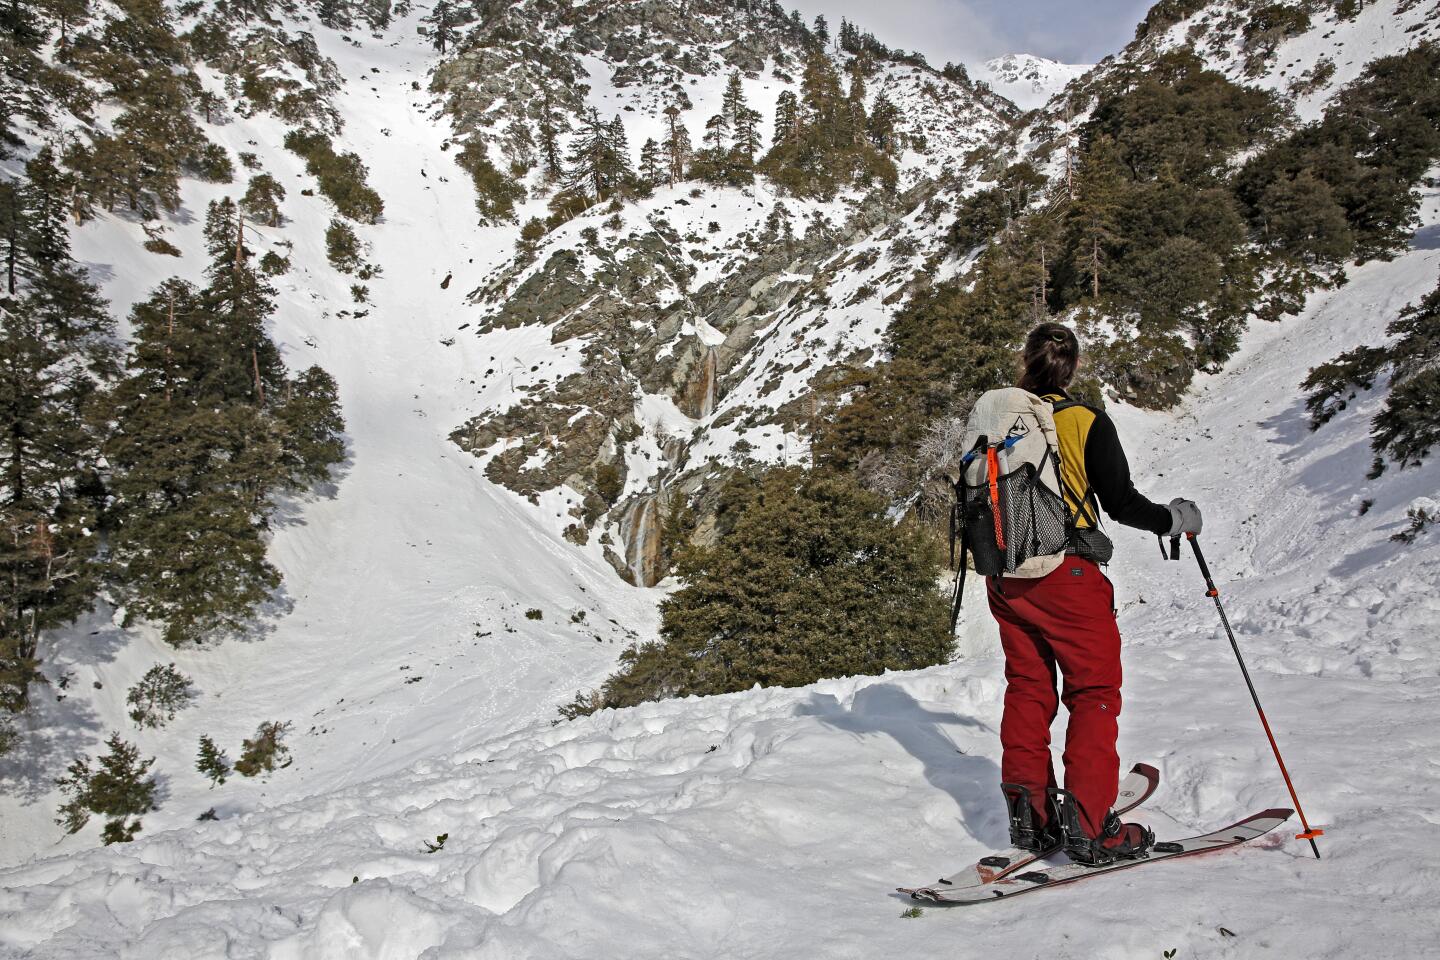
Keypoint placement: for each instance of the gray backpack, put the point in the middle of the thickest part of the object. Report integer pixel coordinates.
(1010, 512)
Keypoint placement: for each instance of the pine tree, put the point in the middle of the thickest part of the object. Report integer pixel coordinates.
(12, 234)
(677, 144)
(716, 130)
(207, 428)
(787, 117)
(652, 163)
(856, 117)
(262, 199)
(1094, 215)
(442, 21)
(820, 95)
(733, 103)
(312, 431)
(45, 192)
(820, 145)
(118, 790)
(880, 126)
(809, 578)
(212, 762)
(239, 300)
(747, 134)
(617, 144)
(598, 168)
(191, 496)
(821, 31)
(158, 696)
(57, 349)
(551, 165)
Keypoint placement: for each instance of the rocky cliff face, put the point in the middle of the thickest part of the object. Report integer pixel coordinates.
(695, 324)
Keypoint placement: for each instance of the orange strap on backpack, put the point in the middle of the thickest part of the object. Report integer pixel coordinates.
(992, 469)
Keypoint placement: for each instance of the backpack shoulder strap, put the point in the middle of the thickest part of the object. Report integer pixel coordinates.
(1087, 500)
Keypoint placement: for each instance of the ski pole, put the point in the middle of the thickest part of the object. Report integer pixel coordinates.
(1213, 593)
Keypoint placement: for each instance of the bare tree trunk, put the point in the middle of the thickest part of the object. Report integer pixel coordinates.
(169, 335)
(1095, 267)
(259, 385)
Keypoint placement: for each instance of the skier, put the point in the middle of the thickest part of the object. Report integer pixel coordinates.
(1066, 619)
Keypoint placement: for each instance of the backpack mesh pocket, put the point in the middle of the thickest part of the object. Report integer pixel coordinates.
(1034, 522)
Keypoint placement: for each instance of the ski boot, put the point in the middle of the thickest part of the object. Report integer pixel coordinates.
(1117, 841)
(1024, 833)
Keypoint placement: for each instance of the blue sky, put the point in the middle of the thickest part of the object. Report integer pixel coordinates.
(969, 31)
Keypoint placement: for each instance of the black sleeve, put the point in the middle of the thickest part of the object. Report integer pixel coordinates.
(1109, 476)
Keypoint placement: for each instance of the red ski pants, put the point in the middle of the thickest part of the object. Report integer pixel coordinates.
(1064, 619)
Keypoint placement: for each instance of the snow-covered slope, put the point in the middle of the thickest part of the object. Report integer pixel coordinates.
(774, 822)
(402, 625)
(1027, 80)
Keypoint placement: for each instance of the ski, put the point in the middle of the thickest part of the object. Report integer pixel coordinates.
(1016, 884)
(1137, 786)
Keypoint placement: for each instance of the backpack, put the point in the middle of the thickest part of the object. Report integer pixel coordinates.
(1010, 512)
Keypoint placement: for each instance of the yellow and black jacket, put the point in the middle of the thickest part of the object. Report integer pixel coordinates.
(1093, 468)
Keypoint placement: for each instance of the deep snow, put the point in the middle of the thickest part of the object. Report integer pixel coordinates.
(412, 565)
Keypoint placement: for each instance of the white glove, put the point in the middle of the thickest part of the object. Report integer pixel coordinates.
(1184, 517)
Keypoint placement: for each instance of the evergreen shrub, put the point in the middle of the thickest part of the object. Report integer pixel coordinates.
(159, 694)
(809, 578)
(118, 790)
(264, 751)
(341, 176)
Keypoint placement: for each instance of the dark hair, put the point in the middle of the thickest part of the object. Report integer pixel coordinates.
(1051, 355)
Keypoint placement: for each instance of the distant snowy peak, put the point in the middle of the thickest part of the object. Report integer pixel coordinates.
(1027, 80)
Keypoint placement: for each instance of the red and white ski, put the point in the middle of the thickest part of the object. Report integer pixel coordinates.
(1136, 787)
(1016, 884)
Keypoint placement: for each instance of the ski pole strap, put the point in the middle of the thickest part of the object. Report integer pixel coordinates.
(959, 582)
